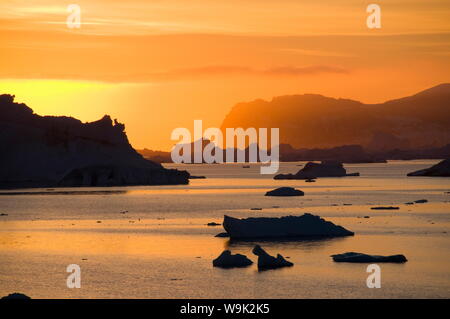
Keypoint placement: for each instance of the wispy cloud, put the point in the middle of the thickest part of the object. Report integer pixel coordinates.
(317, 53)
(230, 70)
(204, 72)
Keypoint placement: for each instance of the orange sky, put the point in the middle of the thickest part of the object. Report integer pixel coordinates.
(159, 64)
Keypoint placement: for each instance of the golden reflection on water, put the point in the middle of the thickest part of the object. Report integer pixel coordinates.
(138, 253)
(129, 251)
(99, 243)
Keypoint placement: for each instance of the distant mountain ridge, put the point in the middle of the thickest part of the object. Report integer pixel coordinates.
(316, 121)
(344, 153)
(48, 151)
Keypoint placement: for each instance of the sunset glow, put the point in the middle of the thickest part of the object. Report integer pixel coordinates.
(158, 65)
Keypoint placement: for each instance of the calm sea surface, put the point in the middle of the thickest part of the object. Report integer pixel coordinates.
(153, 242)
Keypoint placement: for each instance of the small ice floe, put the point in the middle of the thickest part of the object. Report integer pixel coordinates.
(441, 169)
(16, 295)
(352, 257)
(285, 191)
(265, 261)
(228, 260)
(213, 224)
(222, 235)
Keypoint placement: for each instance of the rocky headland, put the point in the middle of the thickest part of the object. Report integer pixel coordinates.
(48, 151)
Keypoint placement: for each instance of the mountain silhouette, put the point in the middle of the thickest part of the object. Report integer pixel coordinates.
(316, 121)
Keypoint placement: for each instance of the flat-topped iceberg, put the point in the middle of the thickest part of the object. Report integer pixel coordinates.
(306, 225)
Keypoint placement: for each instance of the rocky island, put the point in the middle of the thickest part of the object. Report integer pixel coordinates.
(441, 169)
(48, 151)
(313, 170)
(228, 260)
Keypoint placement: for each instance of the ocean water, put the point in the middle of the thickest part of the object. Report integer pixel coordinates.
(153, 242)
